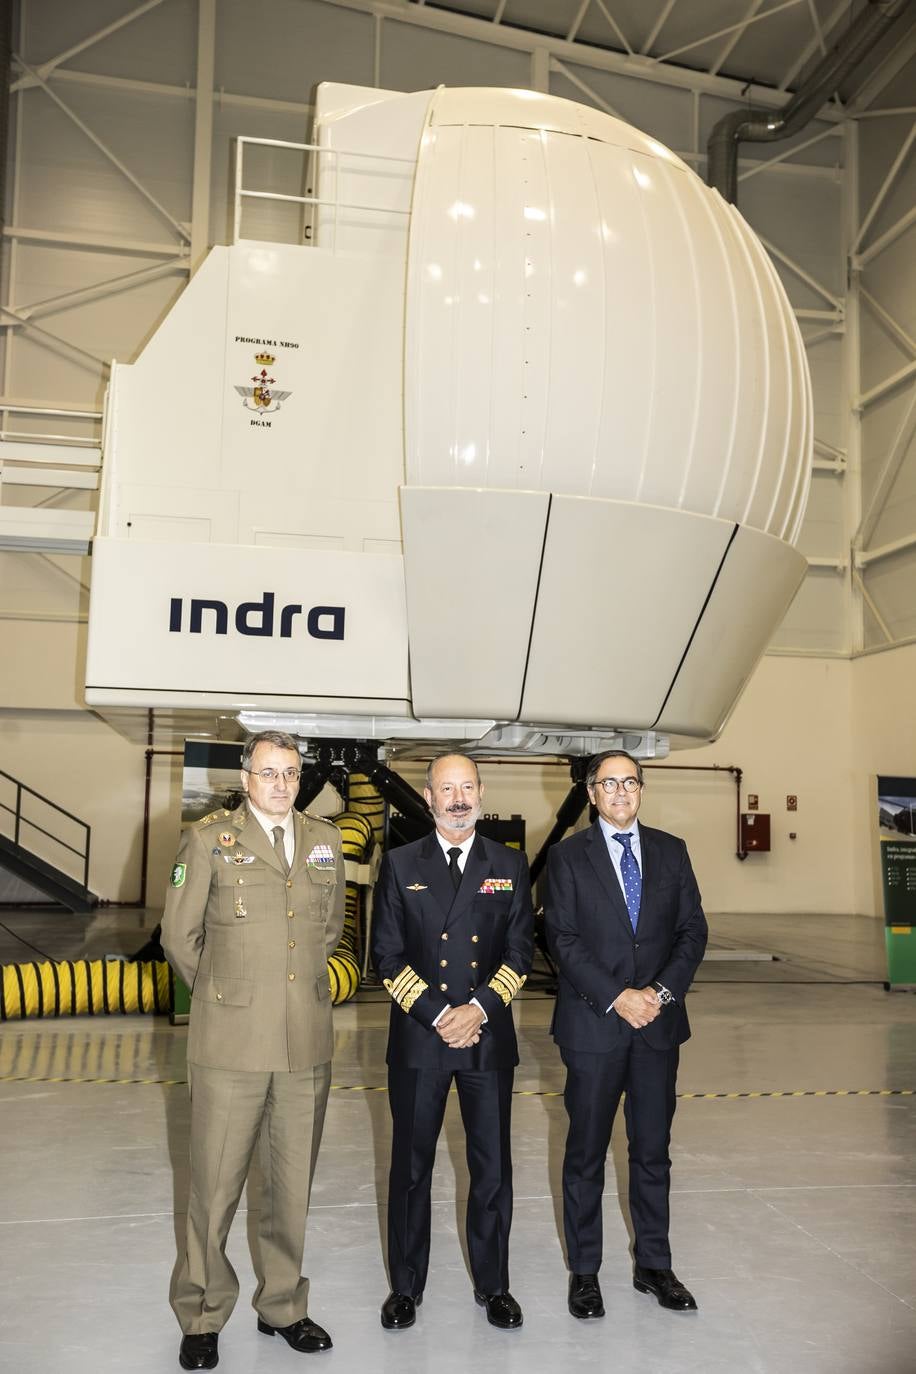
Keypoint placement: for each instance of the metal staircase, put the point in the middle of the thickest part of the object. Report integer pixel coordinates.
(44, 845)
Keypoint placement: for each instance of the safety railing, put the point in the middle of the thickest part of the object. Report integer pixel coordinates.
(22, 824)
(333, 203)
(35, 437)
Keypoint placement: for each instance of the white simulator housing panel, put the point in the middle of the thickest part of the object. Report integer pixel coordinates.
(530, 402)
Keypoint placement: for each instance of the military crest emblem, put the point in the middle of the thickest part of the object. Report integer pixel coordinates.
(262, 396)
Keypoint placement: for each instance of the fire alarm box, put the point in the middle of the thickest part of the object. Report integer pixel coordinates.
(755, 832)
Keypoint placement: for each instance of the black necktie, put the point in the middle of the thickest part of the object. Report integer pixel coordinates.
(454, 855)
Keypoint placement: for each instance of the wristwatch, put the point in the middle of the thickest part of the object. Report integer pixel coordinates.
(663, 995)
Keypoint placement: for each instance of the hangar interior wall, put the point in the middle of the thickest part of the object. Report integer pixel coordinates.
(121, 156)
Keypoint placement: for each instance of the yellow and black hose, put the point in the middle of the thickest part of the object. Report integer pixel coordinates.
(98, 987)
(82, 987)
(343, 965)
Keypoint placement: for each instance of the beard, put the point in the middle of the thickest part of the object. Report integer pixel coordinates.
(459, 816)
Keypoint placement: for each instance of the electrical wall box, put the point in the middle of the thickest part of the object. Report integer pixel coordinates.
(755, 832)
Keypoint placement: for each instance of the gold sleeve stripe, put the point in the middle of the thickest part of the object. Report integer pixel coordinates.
(402, 981)
(506, 983)
(406, 988)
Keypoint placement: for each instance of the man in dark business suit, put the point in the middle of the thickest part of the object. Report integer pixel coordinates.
(627, 931)
(452, 933)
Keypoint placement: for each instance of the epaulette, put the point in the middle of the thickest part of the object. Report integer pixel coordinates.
(219, 815)
(320, 820)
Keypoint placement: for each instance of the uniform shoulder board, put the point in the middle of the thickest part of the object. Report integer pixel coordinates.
(214, 816)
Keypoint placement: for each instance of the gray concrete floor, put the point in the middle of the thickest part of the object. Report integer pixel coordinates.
(794, 1182)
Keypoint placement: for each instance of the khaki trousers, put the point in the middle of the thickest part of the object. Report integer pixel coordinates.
(232, 1113)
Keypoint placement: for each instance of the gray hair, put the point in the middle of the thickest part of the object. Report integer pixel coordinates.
(277, 737)
(452, 754)
(598, 760)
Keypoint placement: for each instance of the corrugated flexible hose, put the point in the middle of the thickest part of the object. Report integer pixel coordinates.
(101, 987)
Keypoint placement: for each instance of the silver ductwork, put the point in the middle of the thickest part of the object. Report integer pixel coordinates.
(768, 126)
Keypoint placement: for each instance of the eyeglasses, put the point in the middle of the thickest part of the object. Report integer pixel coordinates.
(271, 774)
(611, 785)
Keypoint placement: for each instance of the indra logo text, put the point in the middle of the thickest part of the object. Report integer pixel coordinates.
(255, 618)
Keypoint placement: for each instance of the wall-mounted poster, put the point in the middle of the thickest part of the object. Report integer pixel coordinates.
(897, 831)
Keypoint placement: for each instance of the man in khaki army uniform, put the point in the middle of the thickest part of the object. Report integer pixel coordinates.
(255, 907)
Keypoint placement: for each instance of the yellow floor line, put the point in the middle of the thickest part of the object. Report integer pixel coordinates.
(518, 1092)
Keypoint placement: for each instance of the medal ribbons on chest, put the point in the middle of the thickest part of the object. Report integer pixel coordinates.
(321, 856)
(491, 885)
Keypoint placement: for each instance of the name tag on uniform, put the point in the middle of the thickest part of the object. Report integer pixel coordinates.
(322, 856)
(491, 885)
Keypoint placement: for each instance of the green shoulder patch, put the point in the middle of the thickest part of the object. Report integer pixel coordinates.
(179, 873)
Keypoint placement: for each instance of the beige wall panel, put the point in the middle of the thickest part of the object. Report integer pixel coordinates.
(884, 742)
(816, 621)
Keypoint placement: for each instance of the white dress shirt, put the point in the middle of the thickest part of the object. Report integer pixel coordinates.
(268, 823)
(465, 847)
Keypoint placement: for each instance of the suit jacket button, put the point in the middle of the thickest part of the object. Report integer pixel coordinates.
(290, 914)
(443, 987)
(474, 939)
(473, 963)
(241, 881)
(443, 963)
(444, 935)
(291, 977)
(219, 997)
(289, 882)
(292, 944)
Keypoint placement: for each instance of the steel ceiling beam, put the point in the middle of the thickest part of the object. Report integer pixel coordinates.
(582, 54)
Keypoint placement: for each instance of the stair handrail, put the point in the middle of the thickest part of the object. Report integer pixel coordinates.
(19, 819)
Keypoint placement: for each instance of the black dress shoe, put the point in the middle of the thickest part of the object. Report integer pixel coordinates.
(502, 1310)
(399, 1311)
(669, 1290)
(304, 1335)
(585, 1296)
(199, 1352)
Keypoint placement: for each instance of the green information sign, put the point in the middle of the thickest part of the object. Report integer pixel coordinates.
(898, 865)
(897, 822)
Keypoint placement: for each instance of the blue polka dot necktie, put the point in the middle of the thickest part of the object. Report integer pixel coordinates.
(632, 878)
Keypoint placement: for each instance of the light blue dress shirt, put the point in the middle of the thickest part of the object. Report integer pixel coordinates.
(616, 850)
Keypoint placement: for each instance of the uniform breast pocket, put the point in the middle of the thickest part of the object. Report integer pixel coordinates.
(497, 903)
(322, 885)
(242, 894)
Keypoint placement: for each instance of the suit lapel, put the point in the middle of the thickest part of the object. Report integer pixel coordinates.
(433, 868)
(600, 859)
(649, 867)
(303, 846)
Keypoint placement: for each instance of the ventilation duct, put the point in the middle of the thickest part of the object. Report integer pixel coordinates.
(769, 126)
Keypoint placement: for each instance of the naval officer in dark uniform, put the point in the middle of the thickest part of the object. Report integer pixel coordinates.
(452, 939)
